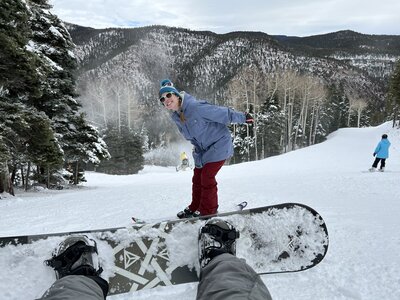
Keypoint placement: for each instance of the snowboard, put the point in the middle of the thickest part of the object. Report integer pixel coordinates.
(280, 238)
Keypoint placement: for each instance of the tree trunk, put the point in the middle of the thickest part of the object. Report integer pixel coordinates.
(359, 117)
(22, 176)
(28, 170)
(13, 174)
(348, 118)
(311, 125)
(48, 177)
(5, 180)
(76, 173)
(119, 109)
(394, 117)
(255, 136)
(263, 146)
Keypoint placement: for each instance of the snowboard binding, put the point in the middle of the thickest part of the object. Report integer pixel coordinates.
(76, 255)
(216, 237)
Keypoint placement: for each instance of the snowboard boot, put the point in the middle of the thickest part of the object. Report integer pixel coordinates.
(187, 213)
(372, 169)
(382, 170)
(76, 255)
(216, 237)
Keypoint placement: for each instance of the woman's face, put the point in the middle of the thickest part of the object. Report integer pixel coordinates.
(170, 101)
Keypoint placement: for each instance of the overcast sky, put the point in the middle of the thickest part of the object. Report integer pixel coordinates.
(283, 17)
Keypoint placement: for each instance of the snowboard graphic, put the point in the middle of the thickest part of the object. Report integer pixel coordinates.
(273, 239)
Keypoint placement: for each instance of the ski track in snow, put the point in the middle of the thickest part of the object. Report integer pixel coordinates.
(361, 210)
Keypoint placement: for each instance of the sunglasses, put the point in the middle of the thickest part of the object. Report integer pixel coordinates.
(162, 99)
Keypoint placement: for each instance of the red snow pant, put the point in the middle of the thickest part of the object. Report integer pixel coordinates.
(204, 188)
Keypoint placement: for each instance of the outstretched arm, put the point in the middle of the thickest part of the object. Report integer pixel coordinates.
(220, 114)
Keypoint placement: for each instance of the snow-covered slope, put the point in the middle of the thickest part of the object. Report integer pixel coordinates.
(361, 210)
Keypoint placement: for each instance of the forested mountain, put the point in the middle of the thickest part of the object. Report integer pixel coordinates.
(376, 54)
(300, 89)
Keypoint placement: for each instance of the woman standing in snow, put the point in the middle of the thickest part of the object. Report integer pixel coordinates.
(205, 126)
(382, 153)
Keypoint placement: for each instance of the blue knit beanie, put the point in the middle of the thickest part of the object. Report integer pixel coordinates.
(166, 86)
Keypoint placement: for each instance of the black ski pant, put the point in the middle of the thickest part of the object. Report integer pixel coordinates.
(382, 160)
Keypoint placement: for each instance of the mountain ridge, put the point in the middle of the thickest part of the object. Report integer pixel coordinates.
(207, 63)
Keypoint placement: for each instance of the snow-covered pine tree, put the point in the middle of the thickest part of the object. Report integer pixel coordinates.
(337, 109)
(28, 138)
(243, 141)
(269, 128)
(39, 115)
(83, 145)
(52, 42)
(393, 101)
(21, 74)
(126, 149)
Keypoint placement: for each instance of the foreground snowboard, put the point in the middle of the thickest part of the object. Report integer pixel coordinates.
(273, 239)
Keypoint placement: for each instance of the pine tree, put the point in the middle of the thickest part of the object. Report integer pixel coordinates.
(39, 116)
(27, 136)
(21, 74)
(54, 45)
(126, 149)
(43, 149)
(241, 143)
(270, 127)
(21, 71)
(393, 101)
(52, 42)
(83, 145)
(335, 115)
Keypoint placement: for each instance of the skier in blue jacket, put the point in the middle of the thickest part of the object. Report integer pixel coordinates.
(205, 126)
(382, 153)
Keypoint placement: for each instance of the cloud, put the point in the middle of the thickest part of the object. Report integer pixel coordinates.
(287, 17)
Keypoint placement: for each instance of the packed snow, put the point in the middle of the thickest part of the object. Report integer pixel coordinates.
(361, 210)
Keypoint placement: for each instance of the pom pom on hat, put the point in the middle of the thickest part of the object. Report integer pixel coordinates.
(168, 87)
(166, 82)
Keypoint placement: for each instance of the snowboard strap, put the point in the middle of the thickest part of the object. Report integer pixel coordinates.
(220, 233)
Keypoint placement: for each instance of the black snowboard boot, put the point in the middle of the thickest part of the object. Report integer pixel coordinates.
(216, 237)
(187, 213)
(77, 255)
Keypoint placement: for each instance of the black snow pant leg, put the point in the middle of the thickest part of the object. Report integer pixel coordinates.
(383, 162)
(377, 160)
(375, 164)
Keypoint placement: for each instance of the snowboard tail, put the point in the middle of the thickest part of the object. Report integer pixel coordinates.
(280, 238)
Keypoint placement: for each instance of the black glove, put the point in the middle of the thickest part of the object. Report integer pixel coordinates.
(249, 118)
(374, 154)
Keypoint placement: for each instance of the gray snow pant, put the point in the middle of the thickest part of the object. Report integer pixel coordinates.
(74, 287)
(227, 277)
